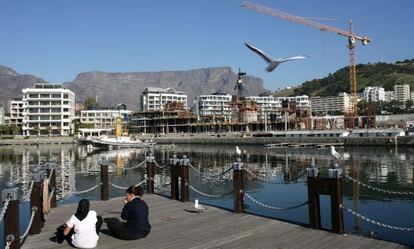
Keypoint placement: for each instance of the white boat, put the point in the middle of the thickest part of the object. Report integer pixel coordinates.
(121, 142)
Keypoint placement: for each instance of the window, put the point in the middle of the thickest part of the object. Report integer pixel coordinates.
(65, 96)
(33, 95)
(65, 102)
(65, 124)
(56, 96)
(65, 109)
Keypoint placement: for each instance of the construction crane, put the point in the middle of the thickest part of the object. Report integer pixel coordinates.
(353, 114)
(239, 84)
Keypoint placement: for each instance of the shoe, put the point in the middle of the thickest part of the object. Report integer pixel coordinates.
(54, 239)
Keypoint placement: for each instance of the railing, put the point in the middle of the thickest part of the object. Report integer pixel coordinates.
(180, 188)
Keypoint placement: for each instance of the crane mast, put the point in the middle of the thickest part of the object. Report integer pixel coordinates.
(352, 114)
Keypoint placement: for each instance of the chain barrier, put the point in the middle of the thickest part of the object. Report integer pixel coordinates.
(159, 166)
(408, 229)
(209, 176)
(50, 175)
(262, 179)
(123, 188)
(9, 241)
(52, 192)
(139, 165)
(27, 196)
(5, 205)
(209, 195)
(34, 210)
(375, 188)
(273, 207)
(86, 190)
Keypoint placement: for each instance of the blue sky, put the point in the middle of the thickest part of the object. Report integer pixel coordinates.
(57, 39)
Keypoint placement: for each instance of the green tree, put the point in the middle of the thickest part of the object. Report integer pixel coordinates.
(90, 103)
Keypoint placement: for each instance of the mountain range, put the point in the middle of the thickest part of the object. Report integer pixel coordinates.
(113, 88)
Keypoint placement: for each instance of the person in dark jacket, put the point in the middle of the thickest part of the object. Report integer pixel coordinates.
(135, 212)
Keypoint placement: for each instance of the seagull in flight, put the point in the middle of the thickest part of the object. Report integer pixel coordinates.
(238, 151)
(272, 64)
(335, 154)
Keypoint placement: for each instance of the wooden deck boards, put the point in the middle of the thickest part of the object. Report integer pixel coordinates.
(174, 227)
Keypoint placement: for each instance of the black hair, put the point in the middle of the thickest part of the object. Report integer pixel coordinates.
(83, 209)
(135, 190)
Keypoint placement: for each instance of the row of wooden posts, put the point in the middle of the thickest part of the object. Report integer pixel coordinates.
(179, 172)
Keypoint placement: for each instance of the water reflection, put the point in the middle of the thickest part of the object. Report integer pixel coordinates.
(384, 167)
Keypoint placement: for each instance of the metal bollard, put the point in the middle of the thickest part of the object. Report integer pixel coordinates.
(104, 180)
(51, 174)
(184, 162)
(36, 200)
(11, 216)
(335, 185)
(238, 185)
(150, 173)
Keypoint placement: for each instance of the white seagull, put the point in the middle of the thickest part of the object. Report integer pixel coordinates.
(198, 206)
(238, 151)
(335, 154)
(272, 64)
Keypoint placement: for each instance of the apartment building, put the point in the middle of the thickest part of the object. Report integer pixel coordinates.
(155, 98)
(331, 104)
(2, 112)
(16, 110)
(374, 94)
(103, 119)
(402, 92)
(49, 110)
(213, 104)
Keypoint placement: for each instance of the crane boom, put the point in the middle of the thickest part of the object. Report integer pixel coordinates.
(351, 45)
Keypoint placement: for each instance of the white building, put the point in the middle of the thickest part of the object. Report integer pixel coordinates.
(213, 104)
(2, 115)
(389, 96)
(331, 104)
(49, 110)
(155, 98)
(374, 94)
(16, 110)
(402, 92)
(103, 119)
(302, 101)
(267, 104)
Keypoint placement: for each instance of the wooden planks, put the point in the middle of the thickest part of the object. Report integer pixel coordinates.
(174, 227)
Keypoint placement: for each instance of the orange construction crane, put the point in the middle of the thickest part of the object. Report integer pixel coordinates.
(351, 45)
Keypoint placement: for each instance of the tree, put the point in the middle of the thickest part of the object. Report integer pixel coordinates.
(90, 103)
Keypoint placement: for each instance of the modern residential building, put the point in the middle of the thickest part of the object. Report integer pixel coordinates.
(374, 94)
(16, 110)
(49, 110)
(302, 101)
(155, 98)
(402, 92)
(389, 96)
(104, 119)
(2, 112)
(213, 104)
(331, 104)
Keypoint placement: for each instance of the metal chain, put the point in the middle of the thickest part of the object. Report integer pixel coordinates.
(375, 188)
(52, 192)
(27, 196)
(123, 188)
(159, 166)
(8, 242)
(29, 225)
(5, 205)
(139, 165)
(209, 195)
(50, 175)
(209, 176)
(86, 190)
(262, 179)
(273, 207)
(409, 229)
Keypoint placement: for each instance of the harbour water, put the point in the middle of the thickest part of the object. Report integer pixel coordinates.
(387, 168)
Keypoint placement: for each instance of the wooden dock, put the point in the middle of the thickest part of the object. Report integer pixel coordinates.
(175, 226)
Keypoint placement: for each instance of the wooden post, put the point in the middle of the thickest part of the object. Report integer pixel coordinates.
(335, 185)
(36, 201)
(11, 217)
(238, 185)
(104, 180)
(185, 196)
(313, 198)
(150, 173)
(51, 174)
(174, 161)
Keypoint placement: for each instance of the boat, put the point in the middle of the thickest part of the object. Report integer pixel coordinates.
(120, 140)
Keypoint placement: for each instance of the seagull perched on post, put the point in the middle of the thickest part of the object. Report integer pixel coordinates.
(335, 154)
(272, 64)
(238, 151)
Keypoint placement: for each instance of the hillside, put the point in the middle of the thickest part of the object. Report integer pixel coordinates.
(378, 74)
(114, 88)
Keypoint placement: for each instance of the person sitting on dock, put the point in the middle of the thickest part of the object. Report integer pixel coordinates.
(82, 228)
(135, 212)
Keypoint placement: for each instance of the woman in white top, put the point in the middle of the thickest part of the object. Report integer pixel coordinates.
(82, 229)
